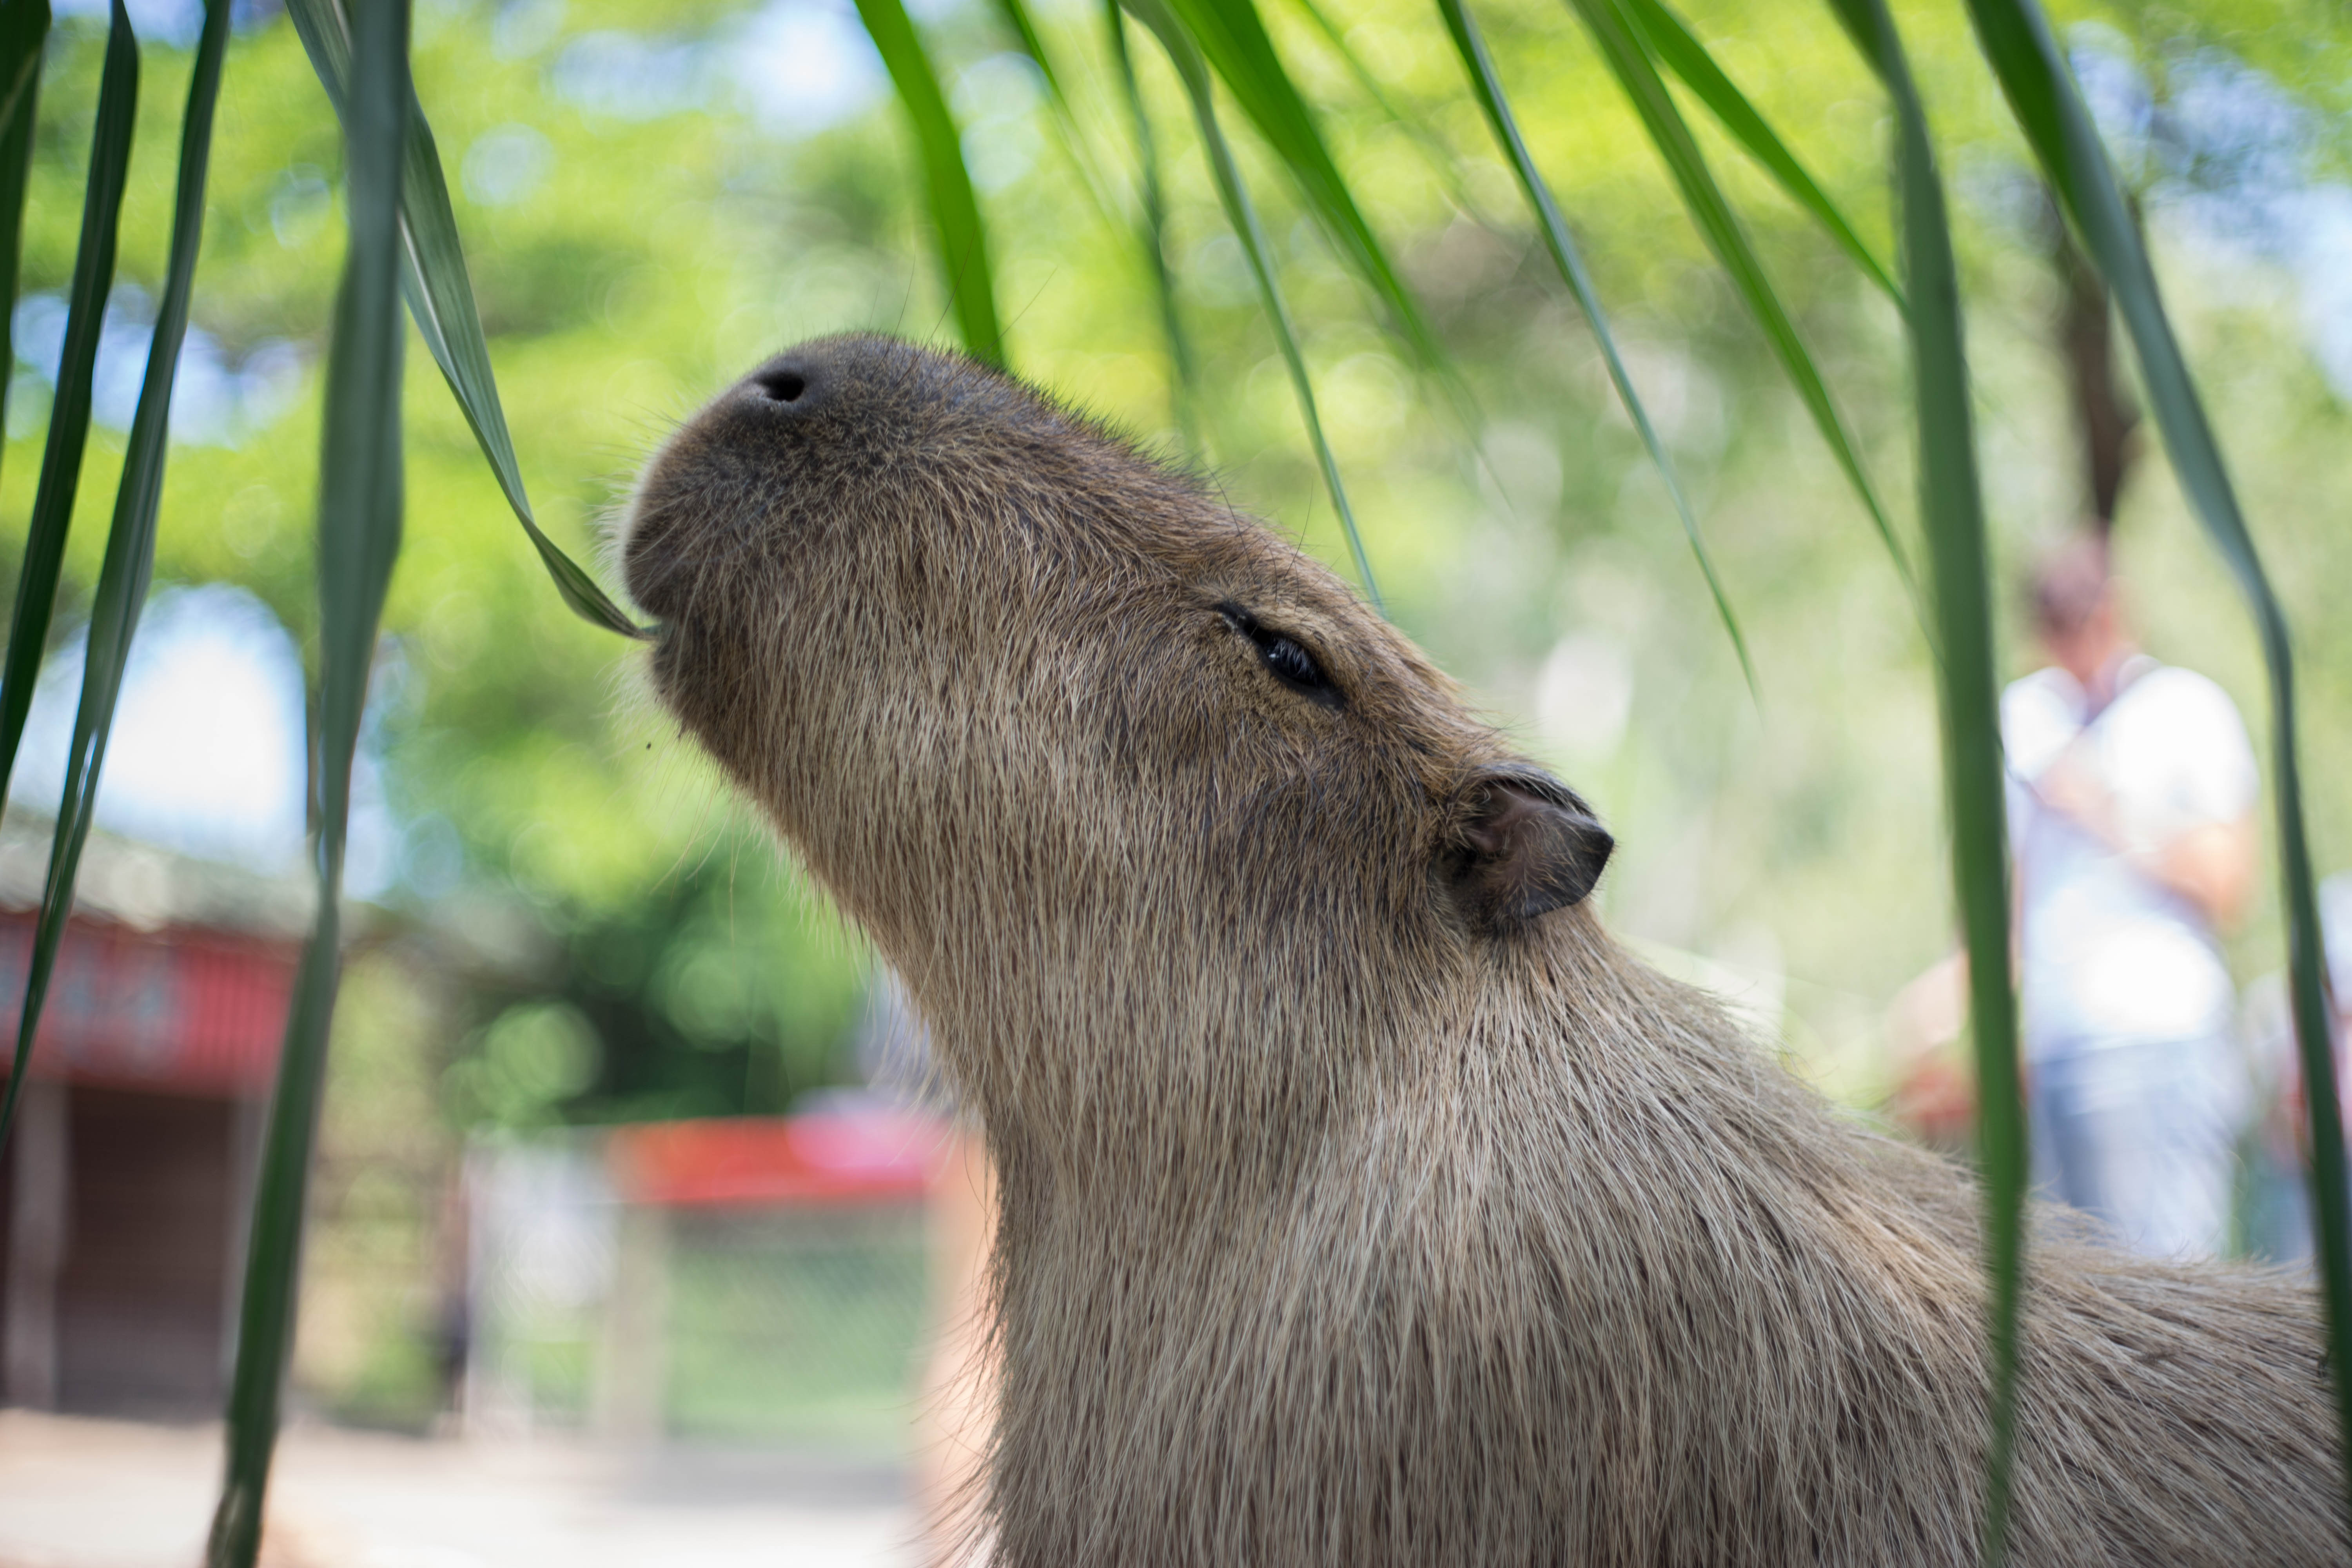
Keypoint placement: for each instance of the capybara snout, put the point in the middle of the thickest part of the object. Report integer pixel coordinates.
(757, 456)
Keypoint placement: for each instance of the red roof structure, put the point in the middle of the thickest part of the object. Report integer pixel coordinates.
(824, 1158)
(183, 1010)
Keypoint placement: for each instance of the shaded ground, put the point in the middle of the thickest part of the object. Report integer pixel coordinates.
(78, 1493)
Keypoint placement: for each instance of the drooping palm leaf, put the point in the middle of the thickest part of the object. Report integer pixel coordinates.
(2042, 92)
(358, 536)
(1152, 235)
(1671, 41)
(1630, 63)
(130, 562)
(1441, 157)
(53, 499)
(1488, 88)
(1074, 140)
(23, 28)
(1242, 213)
(1232, 37)
(955, 211)
(1147, 224)
(441, 298)
(1959, 592)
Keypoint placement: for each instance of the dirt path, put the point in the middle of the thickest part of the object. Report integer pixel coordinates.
(104, 1494)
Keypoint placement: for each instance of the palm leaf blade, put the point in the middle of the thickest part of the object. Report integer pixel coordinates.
(129, 560)
(1672, 41)
(441, 298)
(1242, 213)
(1489, 87)
(53, 501)
(1960, 596)
(358, 536)
(23, 28)
(2016, 39)
(955, 211)
(1671, 136)
(1232, 37)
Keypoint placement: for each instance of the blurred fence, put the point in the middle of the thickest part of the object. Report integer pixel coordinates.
(758, 1282)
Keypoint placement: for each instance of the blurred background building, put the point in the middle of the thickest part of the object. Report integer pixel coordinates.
(123, 1193)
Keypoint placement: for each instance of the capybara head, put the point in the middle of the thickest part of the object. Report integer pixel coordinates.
(1131, 790)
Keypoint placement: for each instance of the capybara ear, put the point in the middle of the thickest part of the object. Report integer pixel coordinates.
(1526, 847)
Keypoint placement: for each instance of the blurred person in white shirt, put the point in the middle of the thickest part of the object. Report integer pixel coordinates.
(2131, 795)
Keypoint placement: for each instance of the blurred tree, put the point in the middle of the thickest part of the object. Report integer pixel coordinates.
(652, 196)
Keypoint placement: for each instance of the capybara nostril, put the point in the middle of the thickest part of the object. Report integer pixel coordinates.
(785, 383)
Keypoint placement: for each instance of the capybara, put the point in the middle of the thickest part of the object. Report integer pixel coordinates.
(1362, 1202)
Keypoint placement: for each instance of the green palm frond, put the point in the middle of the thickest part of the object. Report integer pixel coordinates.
(358, 538)
(1242, 213)
(1959, 593)
(1671, 136)
(962, 238)
(2016, 39)
(23, 28)
(53, 502)
(1672, 41)
(441, 300)
(1231, 37)
(130, 563)
(1565, 256)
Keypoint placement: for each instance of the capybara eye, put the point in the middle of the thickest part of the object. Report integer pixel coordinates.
(1290, 662)
(1282, 657)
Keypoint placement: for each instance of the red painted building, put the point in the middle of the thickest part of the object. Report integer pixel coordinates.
(124, 1184)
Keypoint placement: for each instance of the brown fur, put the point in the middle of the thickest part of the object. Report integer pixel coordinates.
(1348, 1219)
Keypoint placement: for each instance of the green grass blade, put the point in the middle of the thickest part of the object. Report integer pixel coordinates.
(1630, 63)
(1231, 36)
(1152, 235)
(53, 499)
(1489, 87)
(23, 28)
(129, 560)
(2016, 39)
(1243, 214)
(358, 536)
(955, 211)
(1959, 591)
(441, 299)
(1671, 41)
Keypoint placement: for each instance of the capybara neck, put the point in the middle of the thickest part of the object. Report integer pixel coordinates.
(1362, 1202)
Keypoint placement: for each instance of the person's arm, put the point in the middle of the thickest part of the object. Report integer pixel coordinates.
(2211, 864)
(1929, 1013)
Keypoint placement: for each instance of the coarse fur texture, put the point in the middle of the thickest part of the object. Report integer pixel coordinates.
(1362, 1203)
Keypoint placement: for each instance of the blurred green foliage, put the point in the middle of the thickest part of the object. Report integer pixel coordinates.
(642, 231)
